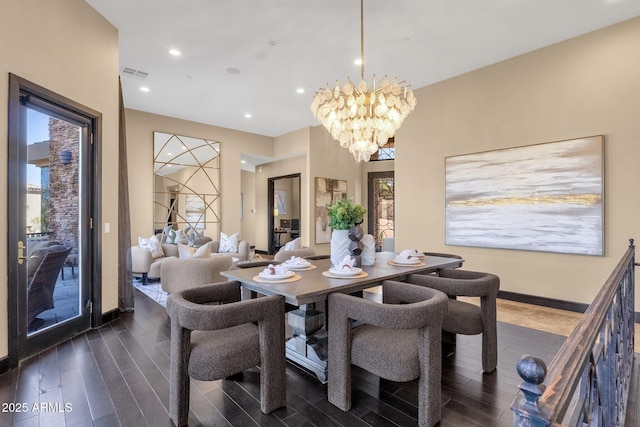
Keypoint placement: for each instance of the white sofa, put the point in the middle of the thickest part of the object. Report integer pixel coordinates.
(143, 263)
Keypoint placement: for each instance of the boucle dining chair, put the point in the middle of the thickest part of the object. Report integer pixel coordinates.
(399, 341)
(445, 255)
(285, 254)
(463, 317)
(211, 342)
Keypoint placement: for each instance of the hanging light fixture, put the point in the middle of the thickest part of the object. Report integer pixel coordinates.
(363, 118)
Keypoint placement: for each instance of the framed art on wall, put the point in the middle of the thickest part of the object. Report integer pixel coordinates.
(545, 197)
(327, 191)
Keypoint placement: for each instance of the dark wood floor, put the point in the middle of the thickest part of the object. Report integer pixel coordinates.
(117, 376)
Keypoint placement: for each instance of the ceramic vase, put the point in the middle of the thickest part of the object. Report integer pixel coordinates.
(368, 250)
(340, 243)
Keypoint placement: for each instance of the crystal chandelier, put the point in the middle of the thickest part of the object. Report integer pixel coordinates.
(363, 117)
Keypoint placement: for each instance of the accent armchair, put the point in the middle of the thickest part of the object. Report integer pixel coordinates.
(211, 342)
(467, 318)
(399, 341)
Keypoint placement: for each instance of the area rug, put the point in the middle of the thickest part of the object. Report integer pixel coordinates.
(153, 290)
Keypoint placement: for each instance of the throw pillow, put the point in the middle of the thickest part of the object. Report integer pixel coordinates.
(294, 244)
(170, 234)
(185, 251)
(229, 243)
(153, 245)
(181, 237)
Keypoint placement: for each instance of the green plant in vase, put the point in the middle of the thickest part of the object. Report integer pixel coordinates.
(345, 214)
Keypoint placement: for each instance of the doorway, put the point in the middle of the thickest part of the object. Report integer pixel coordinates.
(284, 210)
(53, 198)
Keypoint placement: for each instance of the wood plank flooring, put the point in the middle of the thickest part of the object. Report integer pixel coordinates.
(117, 376)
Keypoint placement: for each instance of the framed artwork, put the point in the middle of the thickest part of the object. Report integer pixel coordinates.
(327, 191)
(280, 201)
(194, 211)
(545, 197)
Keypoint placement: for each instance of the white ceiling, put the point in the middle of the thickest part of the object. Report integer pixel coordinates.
(281, 45)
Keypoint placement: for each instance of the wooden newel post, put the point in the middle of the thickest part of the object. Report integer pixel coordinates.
(526, 409)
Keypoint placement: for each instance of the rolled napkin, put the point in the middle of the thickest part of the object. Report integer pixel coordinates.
(275, 270)
(347, 263)
(296, 262)
(408, 254)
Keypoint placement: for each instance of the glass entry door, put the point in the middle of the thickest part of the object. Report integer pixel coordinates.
(50, 221)
(381, 206)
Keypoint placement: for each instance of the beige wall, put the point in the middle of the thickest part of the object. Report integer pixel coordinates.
(330, 160)
(140, 128)
(586, 86)
(66, 47)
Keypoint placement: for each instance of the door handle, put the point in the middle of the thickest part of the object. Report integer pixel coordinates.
(21, 256)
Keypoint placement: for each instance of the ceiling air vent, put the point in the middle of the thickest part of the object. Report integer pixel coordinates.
(136, 74)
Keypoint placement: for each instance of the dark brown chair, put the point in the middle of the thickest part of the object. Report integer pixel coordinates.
(283, 255)
(399, 341)
(467, 318)
(445, 255)
(43, 283)
(251, 264)
(211, 342)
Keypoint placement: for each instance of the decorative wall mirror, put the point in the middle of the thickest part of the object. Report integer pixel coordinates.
(186, 184)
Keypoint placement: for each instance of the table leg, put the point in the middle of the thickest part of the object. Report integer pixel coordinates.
(308, 346)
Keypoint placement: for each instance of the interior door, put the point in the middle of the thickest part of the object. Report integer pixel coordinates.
(50, 245)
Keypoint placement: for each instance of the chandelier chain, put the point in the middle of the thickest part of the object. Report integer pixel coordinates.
(363, 117)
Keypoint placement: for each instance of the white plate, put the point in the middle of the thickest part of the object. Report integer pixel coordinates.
(286, 275)
(406, 261)
(353, 272)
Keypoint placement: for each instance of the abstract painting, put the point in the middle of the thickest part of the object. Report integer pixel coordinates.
(327, 191)
(545, 197)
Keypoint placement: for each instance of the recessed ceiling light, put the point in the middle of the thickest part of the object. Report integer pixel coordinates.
(358, 61)
(247, 115)
(144, 89)
(243, 161)
(233, 70)
(300, 90)
(174, 52)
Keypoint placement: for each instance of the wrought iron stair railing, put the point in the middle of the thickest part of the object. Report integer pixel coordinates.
(587, 383)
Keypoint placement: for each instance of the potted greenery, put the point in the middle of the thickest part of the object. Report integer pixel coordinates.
(343, 215)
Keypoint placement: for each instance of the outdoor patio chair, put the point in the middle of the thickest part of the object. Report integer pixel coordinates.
(42, 284)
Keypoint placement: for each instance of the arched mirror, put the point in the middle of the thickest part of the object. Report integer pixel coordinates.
(186, 184)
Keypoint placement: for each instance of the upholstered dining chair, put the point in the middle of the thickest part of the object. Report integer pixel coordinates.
(445, 255)
(215, 335)
(285, 254)
(399, 341)
(463, 317)
(181, 273)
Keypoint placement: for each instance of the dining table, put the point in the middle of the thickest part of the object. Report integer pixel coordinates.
(306, 292)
